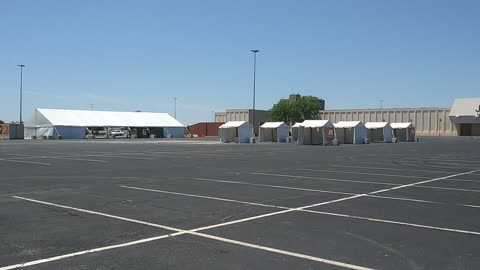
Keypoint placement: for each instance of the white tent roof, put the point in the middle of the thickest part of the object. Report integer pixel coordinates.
(374, 125)
(465, 107)
(315, 123)
(347, 124)
(235, 124)
(80, 118)
(273, 125)
(297, 124)
(401, 125)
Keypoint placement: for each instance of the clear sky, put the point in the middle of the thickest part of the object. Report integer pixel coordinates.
(139, 55)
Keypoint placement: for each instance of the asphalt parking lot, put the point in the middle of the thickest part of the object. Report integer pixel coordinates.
(159, 204)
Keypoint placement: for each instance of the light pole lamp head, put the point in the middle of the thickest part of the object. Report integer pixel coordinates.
(254, 51)
(21, 66)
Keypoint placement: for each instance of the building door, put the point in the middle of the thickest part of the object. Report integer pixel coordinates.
(465, 129)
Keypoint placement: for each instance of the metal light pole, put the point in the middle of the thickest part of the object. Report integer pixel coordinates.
(175, 100)
(381, 103)
(254, 77)
(21, 91)
(213, 116)
(91, 106)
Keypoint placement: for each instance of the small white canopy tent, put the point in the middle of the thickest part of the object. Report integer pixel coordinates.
(379, 132)
(404, 132)
(72, 124)
(235, 131)
(320, 132)
(273, 132)
(350, 132)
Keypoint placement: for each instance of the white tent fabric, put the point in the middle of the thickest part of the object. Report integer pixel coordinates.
(350, 132)
(273, 132)
(404, 132)
(295, 131)
(72, 123)
(379, 132)
(235, 131)
(320, 132)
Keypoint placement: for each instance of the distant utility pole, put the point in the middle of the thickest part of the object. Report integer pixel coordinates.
(213, 116)
(254, 75)
(91, 106)
(439, 124)
(175, 112)
(381, 103)
(21, 91)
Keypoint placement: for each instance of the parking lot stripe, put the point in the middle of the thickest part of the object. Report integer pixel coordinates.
(326, 179)
(271, 186)
(96, 213)
(83, 252)
(447, 188)
(388, 169)
(179, 232)
(323, 191)
(203, 197)
(27, 162)
(309, 211)
(378, 174)
(424, 182)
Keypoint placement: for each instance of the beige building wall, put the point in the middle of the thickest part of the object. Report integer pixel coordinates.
(427, 121)
(261, 116)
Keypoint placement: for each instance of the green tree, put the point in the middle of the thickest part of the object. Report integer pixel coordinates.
(1, 122)
(297, 110)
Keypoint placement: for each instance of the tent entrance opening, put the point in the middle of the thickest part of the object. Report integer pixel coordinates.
(375, 135)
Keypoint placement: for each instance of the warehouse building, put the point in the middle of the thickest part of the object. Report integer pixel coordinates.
(77, 124)
(460, 120)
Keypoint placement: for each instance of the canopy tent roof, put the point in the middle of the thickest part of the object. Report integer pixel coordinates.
(465, 107)
(375, 125)
(316, 123)
(235, 124)
(274, 125)
(347, 124)
(402, 125)
(297, 125)
(84, 118)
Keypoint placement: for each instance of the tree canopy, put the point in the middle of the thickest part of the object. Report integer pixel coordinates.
(1, 122)
(296, 110)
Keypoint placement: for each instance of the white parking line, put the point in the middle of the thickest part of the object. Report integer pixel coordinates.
(28, 162)
(447, 188)
(326, 179)
(387, 168)
(179, 232)
(309, 211)
(272, 186)
(325, 191)
(203, 197)
(377, 174)
(83, 252)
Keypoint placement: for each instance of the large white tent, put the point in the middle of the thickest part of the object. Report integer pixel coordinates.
(273, 132)
(73, 124)
(235, 131)
(404, 132)
(316, 132)
(350, 132)
(379, 132)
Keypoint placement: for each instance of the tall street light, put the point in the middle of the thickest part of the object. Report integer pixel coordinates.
(21, 91)
(254, 74)
(175, 112)
(381, 103)
(91, 106)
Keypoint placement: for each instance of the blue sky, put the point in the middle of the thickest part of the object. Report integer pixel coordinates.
(139, 55)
